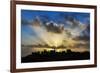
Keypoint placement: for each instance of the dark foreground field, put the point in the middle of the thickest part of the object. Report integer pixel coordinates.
(55, 56)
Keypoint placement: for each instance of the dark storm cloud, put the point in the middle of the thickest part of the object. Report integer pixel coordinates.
(53, 27)
(50, 26)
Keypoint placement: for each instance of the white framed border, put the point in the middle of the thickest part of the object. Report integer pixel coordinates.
(20, 65)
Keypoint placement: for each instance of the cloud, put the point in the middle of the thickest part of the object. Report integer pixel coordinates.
(55, 31)
(53, 27)
(25, 21)
(82, 45)
(82, 38)
(72, 22)
(75, 26)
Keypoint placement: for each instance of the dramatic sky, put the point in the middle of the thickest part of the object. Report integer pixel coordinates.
(54, 29)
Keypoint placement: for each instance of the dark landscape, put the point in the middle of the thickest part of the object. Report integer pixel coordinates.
(55, 56)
